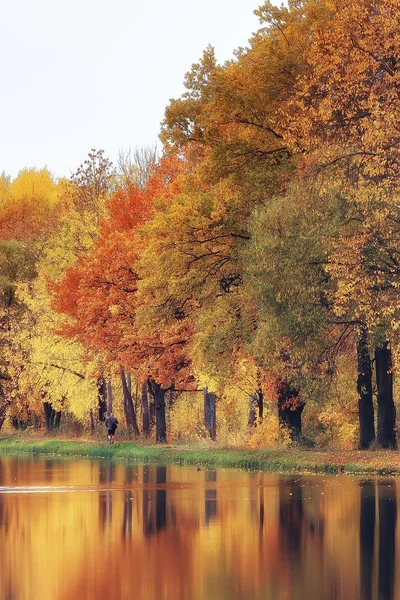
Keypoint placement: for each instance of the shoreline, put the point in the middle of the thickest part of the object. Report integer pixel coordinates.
(352, 462)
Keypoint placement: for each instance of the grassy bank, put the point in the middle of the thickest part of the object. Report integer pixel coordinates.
(318, 461)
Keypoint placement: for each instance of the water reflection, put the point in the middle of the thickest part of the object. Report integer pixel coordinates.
(387, 503)
(210, 497)
(177, 533)
(367, 537)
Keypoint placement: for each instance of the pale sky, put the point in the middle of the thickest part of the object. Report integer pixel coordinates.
(82, 74)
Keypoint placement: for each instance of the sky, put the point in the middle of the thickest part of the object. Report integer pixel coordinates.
(82, 74)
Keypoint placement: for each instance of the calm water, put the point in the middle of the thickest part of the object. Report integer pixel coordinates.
(82, 529)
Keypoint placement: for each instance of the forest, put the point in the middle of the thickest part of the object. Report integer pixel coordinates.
(240, 285)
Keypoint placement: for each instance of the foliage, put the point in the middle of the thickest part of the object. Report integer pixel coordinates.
(29, 205)
(269, 433)
(186, 420)
(244, 258)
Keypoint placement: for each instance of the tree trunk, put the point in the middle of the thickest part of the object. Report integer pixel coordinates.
(152, 410)
(109, 397)
(102, 399)
(128, 380)
(252, 413)
(57, 419)
(364, 389)
(130, 413)
(47, 414)
(127, 408)
(136, 403)
(386, 437)
(290, 408)
(210, 419)
(145, 410)
(158, 394)
(52, 417)
(256, 406)
(159, 405)
(260, 403)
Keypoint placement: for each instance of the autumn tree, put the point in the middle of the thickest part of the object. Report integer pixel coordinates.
(100, 297)
(135, 166)
(229, 120)
(29, 205)
(56, 365)
(17, 265)
(343, 114)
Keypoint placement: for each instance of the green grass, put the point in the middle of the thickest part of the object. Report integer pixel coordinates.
(291, 460)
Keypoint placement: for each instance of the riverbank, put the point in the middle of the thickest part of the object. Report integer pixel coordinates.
(378, 462)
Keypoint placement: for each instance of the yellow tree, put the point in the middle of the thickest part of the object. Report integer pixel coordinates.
(345, 112)
(230, 121)
(29, 205)
(62, 376)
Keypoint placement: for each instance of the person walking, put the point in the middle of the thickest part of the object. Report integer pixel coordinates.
(111, 424)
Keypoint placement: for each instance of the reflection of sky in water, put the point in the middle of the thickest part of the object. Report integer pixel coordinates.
(68, 528)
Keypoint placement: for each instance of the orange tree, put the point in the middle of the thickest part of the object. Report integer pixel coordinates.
(98, 295)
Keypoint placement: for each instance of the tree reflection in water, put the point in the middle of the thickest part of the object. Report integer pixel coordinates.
(210, 497)
(387, 503)
(154, 500)
(179, 533)
(367, 537)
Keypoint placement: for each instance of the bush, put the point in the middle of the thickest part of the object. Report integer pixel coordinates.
(269, 433)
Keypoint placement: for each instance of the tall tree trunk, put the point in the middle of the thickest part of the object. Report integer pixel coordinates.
(260, 403)
(159, 405)
(158, 394)
(57, 419)
(152, 410)
(127, 408)
(102, 408)
(290, 408)
(256, 407)
(364, 389)
(386, 437)
(109, 397)
(128, 379)
(210, 418)
(130, 413)
(47, 414)
(145, 410)
(52, 417)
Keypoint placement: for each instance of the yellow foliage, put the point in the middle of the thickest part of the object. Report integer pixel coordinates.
(56, 368)
(186, 419)
(35, 186)
(232, 417)
(269, 433)
(337, 414)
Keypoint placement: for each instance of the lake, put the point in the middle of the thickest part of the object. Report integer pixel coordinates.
(76, 529)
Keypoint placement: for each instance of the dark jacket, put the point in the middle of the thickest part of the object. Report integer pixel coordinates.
(111, 423)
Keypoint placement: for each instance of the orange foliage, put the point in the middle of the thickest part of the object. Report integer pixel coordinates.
(98, 293)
